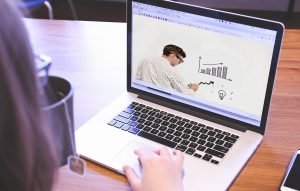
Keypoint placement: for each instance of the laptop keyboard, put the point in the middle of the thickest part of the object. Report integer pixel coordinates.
(196, 139)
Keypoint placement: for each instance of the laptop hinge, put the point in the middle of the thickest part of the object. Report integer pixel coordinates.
(167, 103)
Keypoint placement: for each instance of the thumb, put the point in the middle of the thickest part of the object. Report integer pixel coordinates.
(132, 177)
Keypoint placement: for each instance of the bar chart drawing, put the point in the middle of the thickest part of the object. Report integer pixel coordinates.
(217, 70)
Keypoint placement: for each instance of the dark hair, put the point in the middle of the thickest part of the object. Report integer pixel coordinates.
(173, 49)
(28, 159)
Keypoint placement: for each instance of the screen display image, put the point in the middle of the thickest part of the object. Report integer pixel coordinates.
(216, 65)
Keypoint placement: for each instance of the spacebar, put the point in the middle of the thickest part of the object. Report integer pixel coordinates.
(157, 139)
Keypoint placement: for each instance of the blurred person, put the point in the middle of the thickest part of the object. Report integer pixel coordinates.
(28, 158)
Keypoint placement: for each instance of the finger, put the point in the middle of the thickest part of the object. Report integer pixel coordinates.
(144, 155)
(179, 158)
(132, 177)
(163, 152)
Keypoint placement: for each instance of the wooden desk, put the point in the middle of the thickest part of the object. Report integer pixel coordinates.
(92, 55)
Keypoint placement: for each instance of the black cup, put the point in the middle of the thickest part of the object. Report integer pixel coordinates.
(59, 113)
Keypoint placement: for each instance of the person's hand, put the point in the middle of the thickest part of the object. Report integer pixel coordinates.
(159, 171)
(194, 87)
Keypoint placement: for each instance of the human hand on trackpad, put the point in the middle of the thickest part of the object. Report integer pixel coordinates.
(156, 170)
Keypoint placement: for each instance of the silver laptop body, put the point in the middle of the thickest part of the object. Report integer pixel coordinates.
(233, 58)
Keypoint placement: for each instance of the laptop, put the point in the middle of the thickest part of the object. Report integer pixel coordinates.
(231, 58)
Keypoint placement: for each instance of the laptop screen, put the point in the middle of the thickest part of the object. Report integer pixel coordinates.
(209, 63)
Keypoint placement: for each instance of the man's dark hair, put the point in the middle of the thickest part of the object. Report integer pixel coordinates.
(173, 49)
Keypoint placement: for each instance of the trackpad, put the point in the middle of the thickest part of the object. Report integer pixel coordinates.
(127, 157)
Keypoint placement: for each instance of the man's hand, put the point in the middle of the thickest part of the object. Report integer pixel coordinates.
(194, 87)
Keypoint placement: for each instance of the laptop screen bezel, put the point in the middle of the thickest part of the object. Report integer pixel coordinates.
(217, 14)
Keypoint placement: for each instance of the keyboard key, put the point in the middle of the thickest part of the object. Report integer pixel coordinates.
(190, 151)
(226, 133)
(211, 133)
(158, 121)
(152, 113)
(141, 120)
(209, 128)
(188, 125)
(148, 123)
(140, 126)
(207, 157)
(185, 142)
(209, 144)
(214, 153)
(198, 155)
(128, 110)
(171, 131)
(181, 148)
(163, 128)
(163, 112)
(133, 130)
(147, 129)
(195, 128)
(211, 139)
(161, 134)
(201, 125)
(143, 116)
(169, 137)
(125, 115)
(180, 123)
(201, 148)
(185, 136)
(177, 139)
(135, 103)
(157, 139)
(193, 139)
(203, 130)
(150, 118)
(203, 136)
(112, 122)
(145, 111)
(187, 131)
(121, 119)
(220, 148)
(228, 145)
(193, 145)
(177, 117)
(133, 118)
(218, 130)
(138, 108)
(214, 161)
(118, 125)
(173, 126)
(158, 115)
(179, 128)
(132, 123)
(154, 131)
(229, 139)
(170, 115)
(125, 127)
(220, 136)
(195, 134)
(219, 142)
(131, 106)
(165, 123)
(185, 120)
(166, 118)
(194, 122)
(234, 136)
(177, 133)
(173, 120)
(155, 126)
(149, 108)
(201, 142)
(137, 113)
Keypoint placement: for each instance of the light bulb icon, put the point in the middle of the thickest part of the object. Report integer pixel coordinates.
(222, 94)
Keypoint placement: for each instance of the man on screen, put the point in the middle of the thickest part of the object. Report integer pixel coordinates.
(161, 71)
